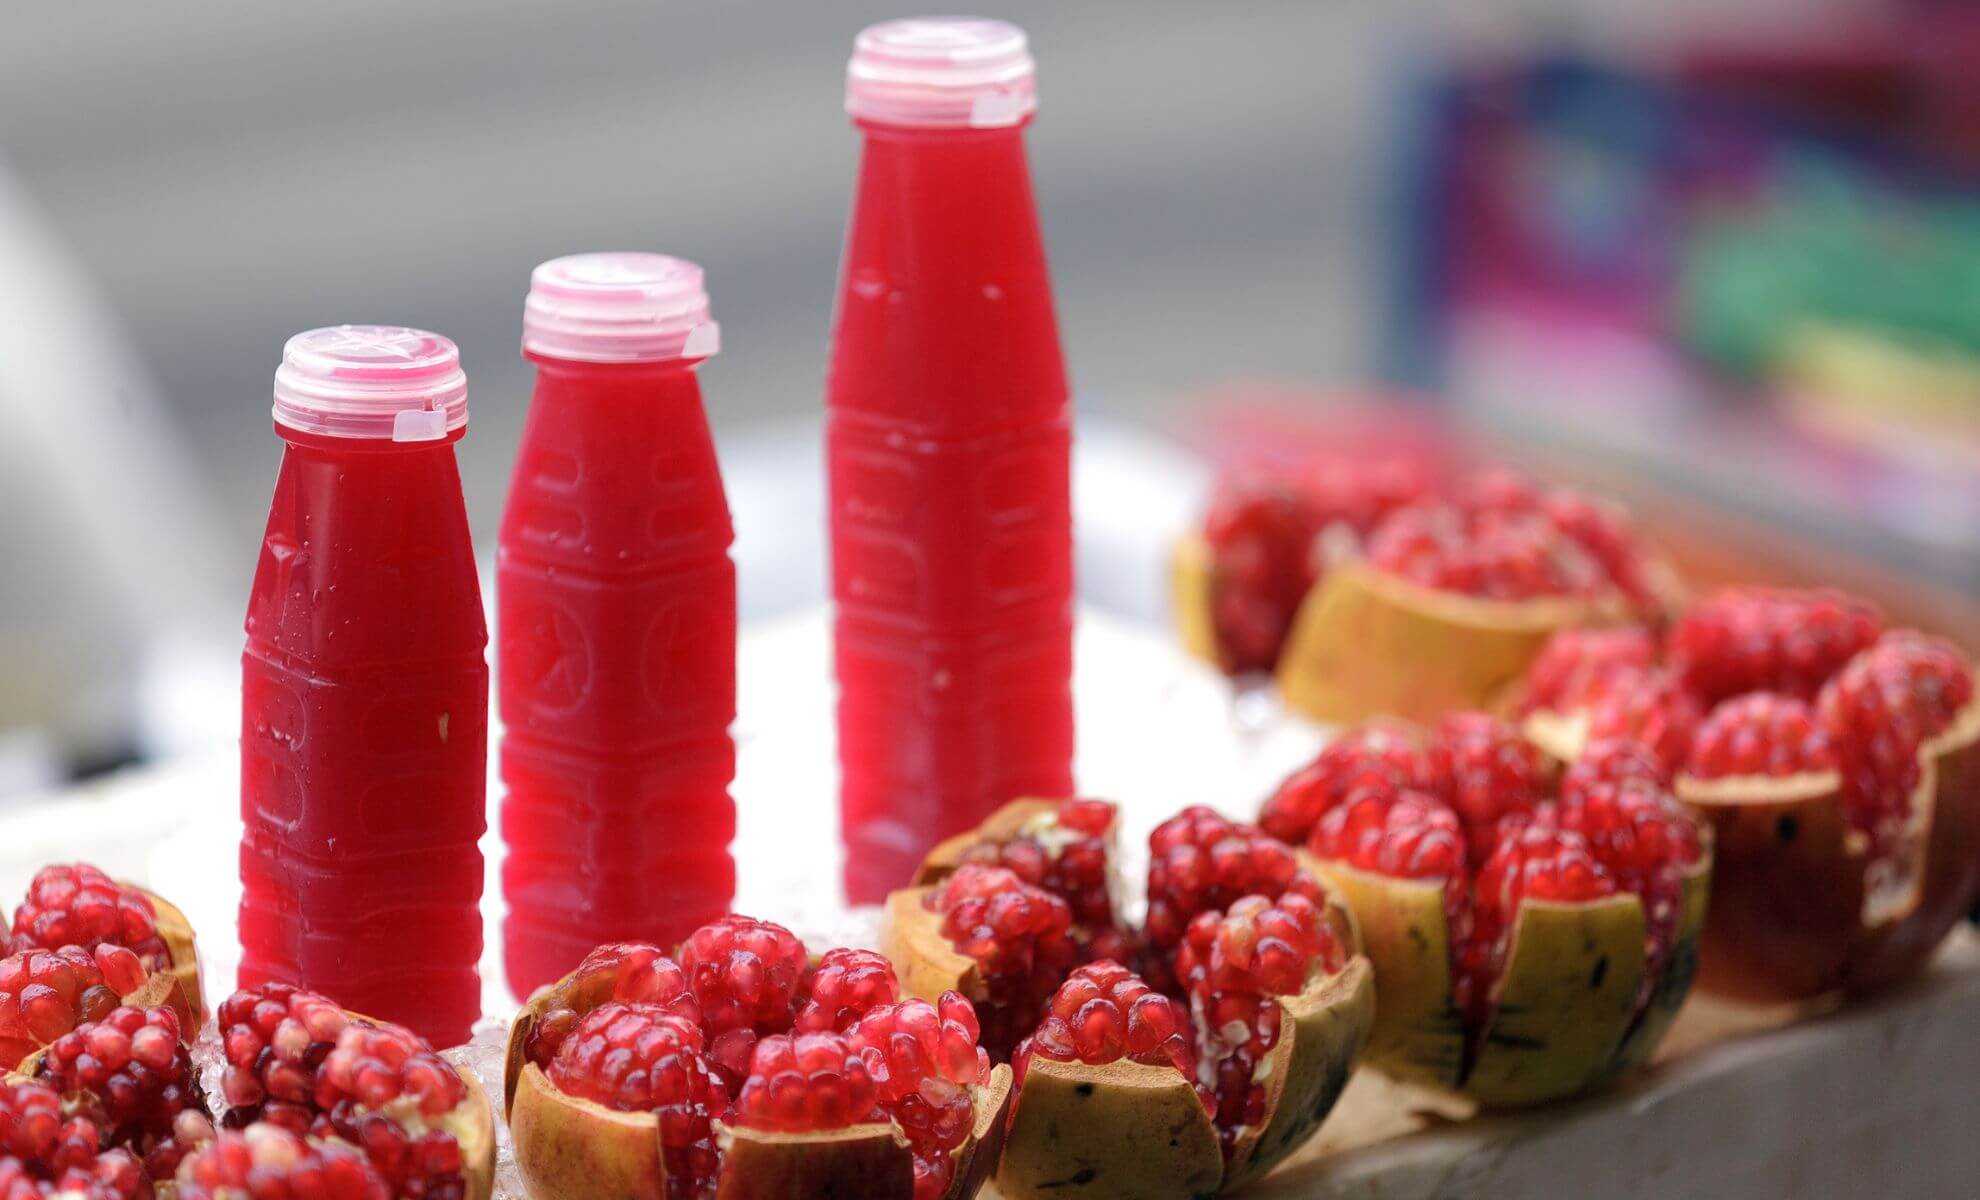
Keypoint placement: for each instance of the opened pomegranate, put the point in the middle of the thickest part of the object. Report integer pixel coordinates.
(616, 1085)
(1065, 847)
(1192, 1076)
(1850, 827)
(1383, 748)
(269, 1162)
(76, 904)
(297, 1061)
(48, 1151)
(1260, 535)
(1528, 941)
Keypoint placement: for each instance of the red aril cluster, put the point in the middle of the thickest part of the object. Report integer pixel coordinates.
(640, 974)
(1346, 497)
(137, 1078)
(1645, 842)
(1612, 760)
(47, 1152)
(641, 1057)
(845, 986)
(378, 1089)
(1653, 708)
(1066, 853)
(1531, 860)
(1020, 939)
(1491, 554)
(1769, 639)
(1483, 768)
(926, 1058)
(78, 905)
(275, 1037)
(1400, 833)
(1200, 860)
(1881, 709)
(1105, 1012)
(1760, 733)
(46, 993)
(1575, 664)
(1260, 533)
(1381, 749)
(745, 975)
(268, 1162)
(806, 1082)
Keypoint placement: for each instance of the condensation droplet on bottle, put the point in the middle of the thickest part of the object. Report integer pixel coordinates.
(992, 292)
(941, 679)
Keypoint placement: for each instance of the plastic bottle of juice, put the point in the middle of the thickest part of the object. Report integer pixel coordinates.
(948, 441)
(364, 722)
(616, 622)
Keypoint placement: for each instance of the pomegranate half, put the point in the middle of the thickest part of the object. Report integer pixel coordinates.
(1529, 940)
(1255, 1007)
(76, 904)
(734, 1105)
(1843, 871)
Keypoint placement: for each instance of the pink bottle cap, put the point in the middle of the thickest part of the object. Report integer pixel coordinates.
(622, 306)
(371, 381)
(942, 72)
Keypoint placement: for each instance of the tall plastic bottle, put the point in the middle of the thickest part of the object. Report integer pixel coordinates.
(948, 442)
(364, 723)
(616, 622)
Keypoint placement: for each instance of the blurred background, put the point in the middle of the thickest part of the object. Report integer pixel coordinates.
(1716, 258)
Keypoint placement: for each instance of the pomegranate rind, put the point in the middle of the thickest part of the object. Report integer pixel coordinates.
(1668, 994)
(1418, 1032)
(1366, 643)
(1113, 1131)
(183, 945)
(1190, 598)
(1564, 1002)
(859, 1160)
(1790, 918)
(925, 962)
(1322, 1035)
(569, 1148)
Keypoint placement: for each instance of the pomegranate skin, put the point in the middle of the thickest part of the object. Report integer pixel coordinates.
(1787, 920)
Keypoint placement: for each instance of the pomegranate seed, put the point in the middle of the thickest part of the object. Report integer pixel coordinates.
(1105, 1012)
(268, 1162)
(1347, 497)
(1379, 748)
(46, 993)
(1879, 711)
(1019, 937)
(1403, 834)
(46, 1153)
(275, 1037)
(78, 905)
(846, 985)
(1767, 639)
(1257, 945)
(137, 1075)
(1483, 768)
(1761, 733)
(1612, 760)
(1065, 852)
(1260, 535)
(640, 973)
(1493, 554)
(1602, 528)
(1576, 663)
(1644, 840)
(1655, 708)
(808, 1081)
(641, 1057)
(925, 1058)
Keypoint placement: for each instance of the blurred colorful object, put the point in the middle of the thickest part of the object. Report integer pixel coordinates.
(1751, 274)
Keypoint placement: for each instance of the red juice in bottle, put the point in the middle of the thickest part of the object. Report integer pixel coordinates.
(364, 721)
(616, 622)
(948, 442)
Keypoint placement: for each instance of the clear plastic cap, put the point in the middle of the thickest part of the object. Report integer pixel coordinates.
(619, 306)
(942, 72)
(371, 381)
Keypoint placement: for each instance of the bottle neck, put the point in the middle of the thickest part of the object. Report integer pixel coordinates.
(623, 372)
(879, 131)
(333, 446)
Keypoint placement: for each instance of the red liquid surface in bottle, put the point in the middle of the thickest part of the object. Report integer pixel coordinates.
(616, 620)
(948, 445)
(364, 733)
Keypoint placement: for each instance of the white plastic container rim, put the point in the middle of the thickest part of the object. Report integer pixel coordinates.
(385, 382)
(619, 307)
(942, 73)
